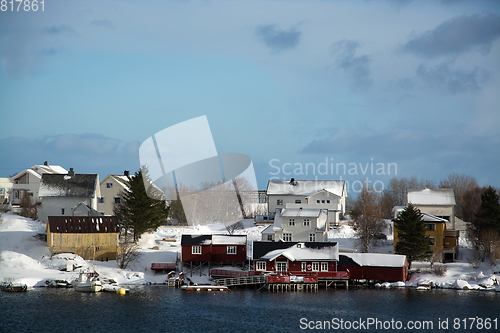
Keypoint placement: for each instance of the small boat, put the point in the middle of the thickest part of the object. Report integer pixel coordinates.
(9, 286)
(204, 288)
(88, 282)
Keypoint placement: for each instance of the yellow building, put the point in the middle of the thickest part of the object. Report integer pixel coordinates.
(443, 242)
(91, 237)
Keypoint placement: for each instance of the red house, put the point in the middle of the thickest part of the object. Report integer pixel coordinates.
(214, 248)
(374, 266)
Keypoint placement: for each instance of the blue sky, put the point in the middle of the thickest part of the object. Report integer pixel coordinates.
(411, 83)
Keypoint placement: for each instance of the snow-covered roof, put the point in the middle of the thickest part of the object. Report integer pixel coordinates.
(299, 252)
(377, 259)
(268, 230)
(120, 179)
(79, 185)
(305, 187)
(39, 170)
(299, 212)
(229, 240)
(440, 197)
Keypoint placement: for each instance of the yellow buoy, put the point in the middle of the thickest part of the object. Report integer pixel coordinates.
(122, 291)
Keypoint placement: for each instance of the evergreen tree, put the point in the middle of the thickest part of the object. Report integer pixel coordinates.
(411, 233)
(489, 211)
(137, 210)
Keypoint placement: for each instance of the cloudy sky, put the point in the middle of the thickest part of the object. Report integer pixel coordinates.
(302, 87)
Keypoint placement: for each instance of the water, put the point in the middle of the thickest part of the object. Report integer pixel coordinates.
(162, 309)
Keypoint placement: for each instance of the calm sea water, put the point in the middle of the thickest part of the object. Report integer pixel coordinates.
(162, 309)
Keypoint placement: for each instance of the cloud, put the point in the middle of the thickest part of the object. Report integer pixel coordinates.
(87, 153)
(59, 29)
(452, 81)
(103, 24)
(358, 67)
(456, 36)
(278, 40)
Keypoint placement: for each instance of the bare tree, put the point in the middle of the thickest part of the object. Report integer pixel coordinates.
(368, 218)
(127, 252)
(461, 184)
(28, 208)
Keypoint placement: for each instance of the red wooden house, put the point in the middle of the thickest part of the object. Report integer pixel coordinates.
(214, 248)
(374, 266)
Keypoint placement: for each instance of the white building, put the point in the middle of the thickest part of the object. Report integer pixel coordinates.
(111, 187)
(308, 194)
(5, 189)
(61, 194)
(298, 225)
(439, 202)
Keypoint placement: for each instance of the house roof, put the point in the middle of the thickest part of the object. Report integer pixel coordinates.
(261, 248)
(305, 187)
(425, 217)
(214, 240)
(300, 252)
(438, 197)
(120, 179)
(39, 170)
(372, 259)
(82, 224)
(80, 185)
(299, 212)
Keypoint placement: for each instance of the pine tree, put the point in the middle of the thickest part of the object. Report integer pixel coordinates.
(489, 211)
(411, 233)
(137, 210)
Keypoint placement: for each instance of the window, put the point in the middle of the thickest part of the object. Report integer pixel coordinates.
(269, 237)
(62, 211)
(303, 266)
(279, 202)
(322, 201)
(281, 266)
(315, 266)
(16, 194)
(306, 222)
(109, 185)
(431, 226)
(30, 194)
(260, 266)
(317, 201)
(291, 222)
(287, 237)
(231, 250)
(117, 200)
(327, 201)
(432, 241)
(196, 249)
(298, 201)
(312, 237)
(100, 200)
(324, 267)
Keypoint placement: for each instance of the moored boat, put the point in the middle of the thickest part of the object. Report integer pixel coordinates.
(87, 282)
(13, 287)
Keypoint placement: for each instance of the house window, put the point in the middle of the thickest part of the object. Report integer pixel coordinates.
(303, 266)
(317, 201)
(322, 201)
(279, 202)
(231, 250)
(260, 266)
(287, 236)
(312, 237)
(117, 200)
(327, 201)
(298, 201)
(324, 267)
(432, 241)
(16, 194)
(306, 222)
(196, 249)
(315, 266)
(100, 200)
(431, 226)
(62, 211)
(269, 237)
(30, 194)
(291, 222)
(281, 266)
(109, 185)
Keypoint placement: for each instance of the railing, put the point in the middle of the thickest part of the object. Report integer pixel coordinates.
(231, 273)
(163, 266)
(238, 281)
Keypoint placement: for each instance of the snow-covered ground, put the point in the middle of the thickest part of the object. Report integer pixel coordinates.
(24, 258)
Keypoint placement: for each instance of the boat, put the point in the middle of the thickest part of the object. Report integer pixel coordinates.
(203, 288)
(88, 282)
(12, 287)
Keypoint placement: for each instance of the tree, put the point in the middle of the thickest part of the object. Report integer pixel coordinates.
(411, 233)
(137, 210)
(368, 218)
(461, 184)
(28, 208)
(472, 202)
(127, 252)
(484, 231)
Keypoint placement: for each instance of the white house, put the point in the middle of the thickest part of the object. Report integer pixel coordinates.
(5, 189)
(298, 225)
(308, 194)
(61, 194)
(29, 181)
(439, 202)
(111, 187)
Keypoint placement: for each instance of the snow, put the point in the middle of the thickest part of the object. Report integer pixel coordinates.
(26, 259)
(377, 259)
(296, 212)
(305, 187)
(300, 253)
(432, 197)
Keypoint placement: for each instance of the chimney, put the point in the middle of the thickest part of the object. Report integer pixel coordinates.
(126, 173)
(71, 172)
(46, 163)
(293, 182)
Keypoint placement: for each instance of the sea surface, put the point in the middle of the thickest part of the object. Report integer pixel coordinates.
(158, 308)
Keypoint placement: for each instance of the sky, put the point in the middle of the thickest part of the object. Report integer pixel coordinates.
(348, 90)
